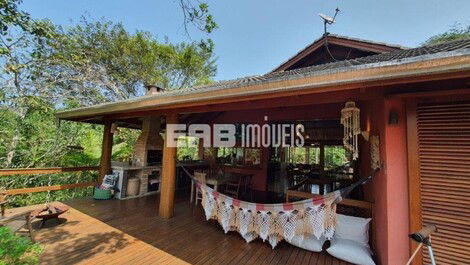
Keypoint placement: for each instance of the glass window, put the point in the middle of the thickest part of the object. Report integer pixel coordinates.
(298, 155)
(304, 155)
(225, 155)
(313, 155)
(239, 156)
(252, 156)
(187, 148)
(275, 154)
(335, 157)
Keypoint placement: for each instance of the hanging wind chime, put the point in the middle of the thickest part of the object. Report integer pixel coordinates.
(350, 120)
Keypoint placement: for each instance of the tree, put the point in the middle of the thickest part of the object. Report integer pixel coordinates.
(95, 62)
(45, 67)
(89, 63)
(456, 32)
(13, 19)
(21, 41)
(197, 15)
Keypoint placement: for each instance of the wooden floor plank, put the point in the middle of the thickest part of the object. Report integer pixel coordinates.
(130, 232)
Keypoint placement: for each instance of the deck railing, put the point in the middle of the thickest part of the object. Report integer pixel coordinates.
(43, 171)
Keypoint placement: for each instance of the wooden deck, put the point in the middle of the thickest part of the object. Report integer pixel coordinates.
(130, 232)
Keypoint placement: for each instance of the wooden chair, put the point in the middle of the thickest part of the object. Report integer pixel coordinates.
(212, 177)
(216, 172)
(201, 178)
(20, 223)
(233, 188)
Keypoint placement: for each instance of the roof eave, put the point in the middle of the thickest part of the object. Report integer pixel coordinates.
(422, 65)
(364, 45)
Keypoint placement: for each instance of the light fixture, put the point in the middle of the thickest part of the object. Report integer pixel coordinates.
(393, 117)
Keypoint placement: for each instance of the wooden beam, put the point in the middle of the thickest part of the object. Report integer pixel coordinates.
(50, 188)
(322, 157)
(40, 171)
(358, 204)
(200, 149)
(414, 180)
(167, 192)
(355, 44)
(438, 93)
(106, 151)
(287, 101)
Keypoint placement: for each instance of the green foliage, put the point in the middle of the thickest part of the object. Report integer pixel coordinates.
(124, 142)
(335, 156)
(298, 155)
(40, 140)
(456, 32)
(197, 13)
(13, 19)
(45, 68)
(187, 148)
(17, 250)
(16, 182)
(11, 16)
(97, 61)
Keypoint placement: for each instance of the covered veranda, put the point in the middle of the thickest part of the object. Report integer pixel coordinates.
(381, 91)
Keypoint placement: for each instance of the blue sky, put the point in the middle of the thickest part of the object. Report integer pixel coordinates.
(255, 36)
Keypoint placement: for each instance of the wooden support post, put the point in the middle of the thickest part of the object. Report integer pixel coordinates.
(200, 149)
(322, 157)
(167, 192)
(106, 151)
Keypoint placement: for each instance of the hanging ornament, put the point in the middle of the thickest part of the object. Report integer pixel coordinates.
(374, 152)
(351, 123)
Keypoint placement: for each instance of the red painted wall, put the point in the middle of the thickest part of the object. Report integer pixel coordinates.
(373, 120)
(389, 188)
(397, 184)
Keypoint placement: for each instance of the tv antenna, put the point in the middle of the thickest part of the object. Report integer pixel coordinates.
(327, 20)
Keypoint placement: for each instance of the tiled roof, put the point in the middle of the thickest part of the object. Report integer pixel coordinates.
(394, 56)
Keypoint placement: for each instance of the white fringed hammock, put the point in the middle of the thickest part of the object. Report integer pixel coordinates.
(274, 222)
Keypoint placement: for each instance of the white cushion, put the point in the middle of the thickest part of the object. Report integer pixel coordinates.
(308, 242)
(351, 251)
(352, 228)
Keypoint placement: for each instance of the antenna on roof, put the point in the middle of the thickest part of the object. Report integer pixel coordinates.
(327, 20)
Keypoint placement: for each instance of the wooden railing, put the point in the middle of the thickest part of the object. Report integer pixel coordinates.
(42, 171)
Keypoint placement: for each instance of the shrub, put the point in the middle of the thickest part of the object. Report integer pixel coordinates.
(17, 250)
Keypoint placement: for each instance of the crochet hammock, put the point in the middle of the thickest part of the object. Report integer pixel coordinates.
(274, 222)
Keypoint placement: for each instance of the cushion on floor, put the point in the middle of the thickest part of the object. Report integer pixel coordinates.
(351, 251)
(308, 242)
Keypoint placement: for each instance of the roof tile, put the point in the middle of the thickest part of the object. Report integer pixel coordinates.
(300, 72)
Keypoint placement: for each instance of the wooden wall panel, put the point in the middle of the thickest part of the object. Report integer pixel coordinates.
(443, 134)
